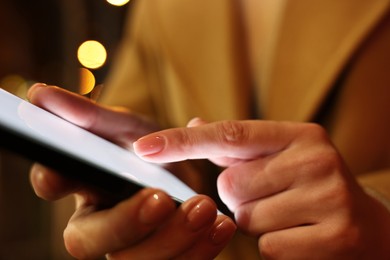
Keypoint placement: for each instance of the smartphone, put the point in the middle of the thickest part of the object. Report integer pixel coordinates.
(41, 136)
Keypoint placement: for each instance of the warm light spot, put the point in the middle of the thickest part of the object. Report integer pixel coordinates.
(92, 54)
(87, 81)
(118, 2)
(15, 84)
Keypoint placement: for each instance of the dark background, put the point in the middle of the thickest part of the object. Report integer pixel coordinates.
(38, 43)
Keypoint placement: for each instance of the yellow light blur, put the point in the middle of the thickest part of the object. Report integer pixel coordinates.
(15, 84)
(118, 2)
(87, 81)
(92, 54)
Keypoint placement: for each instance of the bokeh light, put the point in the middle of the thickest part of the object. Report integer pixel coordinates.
(92, 54)
(87, 81)
(15, 84)
(118, 2)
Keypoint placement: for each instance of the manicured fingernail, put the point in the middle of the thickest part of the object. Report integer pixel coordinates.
(196, 121)
(33, 88)
(149, 145)
(223, 232)
(156, 208)
(193, 122)
(38, 176)
(201, 215)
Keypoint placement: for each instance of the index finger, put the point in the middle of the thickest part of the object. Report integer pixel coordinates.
(235, 139)
(116, 125)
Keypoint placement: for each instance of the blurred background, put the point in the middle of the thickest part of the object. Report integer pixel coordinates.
(69, 43)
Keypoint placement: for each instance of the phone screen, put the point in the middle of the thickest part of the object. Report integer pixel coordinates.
(46, 138)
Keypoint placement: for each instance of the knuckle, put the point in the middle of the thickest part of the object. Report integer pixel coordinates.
(232, 132)
(323, 160)
(243, 220)
(315, 131)
(266, 248)
(338, 196)
(73, 244)
(185, 139)
(346, 238)
(226, 190)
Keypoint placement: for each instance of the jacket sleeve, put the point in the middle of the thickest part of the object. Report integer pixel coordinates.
(127, 83)
(377, 185)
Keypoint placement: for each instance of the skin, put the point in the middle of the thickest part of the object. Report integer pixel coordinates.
(147, 225)
(286, 184)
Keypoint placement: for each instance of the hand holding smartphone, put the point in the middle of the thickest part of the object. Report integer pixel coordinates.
(46, 138)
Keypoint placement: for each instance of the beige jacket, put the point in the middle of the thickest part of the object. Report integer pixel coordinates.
(301, 60)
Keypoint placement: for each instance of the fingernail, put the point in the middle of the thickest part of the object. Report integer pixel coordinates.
(223, 232)
(201, 215)
(156, 208)
(38, 175)
(33, 88)
(149, 145)
(196, 121)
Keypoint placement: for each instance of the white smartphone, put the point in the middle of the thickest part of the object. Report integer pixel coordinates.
(46, 138)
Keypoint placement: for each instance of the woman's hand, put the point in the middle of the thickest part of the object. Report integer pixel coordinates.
(115, 124)
(148, 224)
(286, 184)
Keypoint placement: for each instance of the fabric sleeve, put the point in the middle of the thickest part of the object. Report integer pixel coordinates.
(377, 185)
(127, 83)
